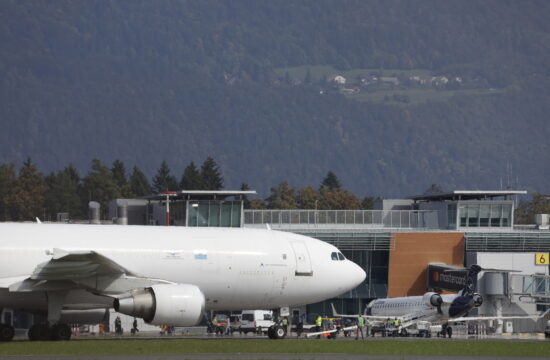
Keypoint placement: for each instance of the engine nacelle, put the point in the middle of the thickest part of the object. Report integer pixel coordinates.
(478, 300)
(432, 299)
(164, 304)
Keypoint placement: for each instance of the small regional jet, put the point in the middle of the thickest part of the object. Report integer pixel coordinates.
(431, 308)
(165, 275)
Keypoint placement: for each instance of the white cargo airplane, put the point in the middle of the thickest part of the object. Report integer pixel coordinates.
(165, 275)
(432, 308)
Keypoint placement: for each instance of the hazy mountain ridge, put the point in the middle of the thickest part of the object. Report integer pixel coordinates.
(143, 82)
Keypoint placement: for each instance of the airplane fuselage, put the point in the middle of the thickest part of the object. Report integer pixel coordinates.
(234, 268)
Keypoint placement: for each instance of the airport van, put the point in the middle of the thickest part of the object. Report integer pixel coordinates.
(256, 321)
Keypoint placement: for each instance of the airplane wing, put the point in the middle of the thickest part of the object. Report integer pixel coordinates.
(66, 265)
(79, 269)
(480, 318)
(369, 317)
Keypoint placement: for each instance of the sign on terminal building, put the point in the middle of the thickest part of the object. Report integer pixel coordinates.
(446, 277)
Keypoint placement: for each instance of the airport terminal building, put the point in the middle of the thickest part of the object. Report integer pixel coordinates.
(404, 245)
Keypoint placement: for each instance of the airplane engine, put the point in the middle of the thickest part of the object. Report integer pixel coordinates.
(164, 304)
(478, 300)
(432, 299)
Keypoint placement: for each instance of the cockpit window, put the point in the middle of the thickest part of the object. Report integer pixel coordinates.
(337, 256)
(334, 256)
(341, 256)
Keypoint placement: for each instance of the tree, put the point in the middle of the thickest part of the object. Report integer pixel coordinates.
(331, 181)
(338, 200)
(367, 203)
(191, 178)
(282, 197)
(256, 203)
(526, 211)
(434, 189)
(211, 176)
(139, 185)
(119, 176)
(308, 198)
(163, 180)
(7, 182)
(62, 193)
(27, 198)
(99, 186)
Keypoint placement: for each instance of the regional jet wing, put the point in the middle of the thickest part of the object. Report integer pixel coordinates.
(480, 318)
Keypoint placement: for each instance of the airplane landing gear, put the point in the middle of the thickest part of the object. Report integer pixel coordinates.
(446, 330)
(6, 332)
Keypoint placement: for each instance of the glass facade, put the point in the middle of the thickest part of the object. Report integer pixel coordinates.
(214, 213)
(483, 214)
(375, 263)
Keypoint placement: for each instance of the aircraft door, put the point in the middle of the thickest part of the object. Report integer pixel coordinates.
(303, 262)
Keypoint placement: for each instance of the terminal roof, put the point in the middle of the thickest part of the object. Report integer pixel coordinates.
(467, 195)
(202, 194)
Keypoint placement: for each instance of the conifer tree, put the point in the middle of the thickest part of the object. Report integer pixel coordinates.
(191, 178)
(27, 198)
(331, 182)
(62, 193)
(163, 180)
(211, 176)
(7, 182)
(139, 185)
(99, 186)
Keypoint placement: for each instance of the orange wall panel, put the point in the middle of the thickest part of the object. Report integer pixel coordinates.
(412, 254)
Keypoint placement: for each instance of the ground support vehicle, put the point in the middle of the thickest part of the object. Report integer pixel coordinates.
(256, 321)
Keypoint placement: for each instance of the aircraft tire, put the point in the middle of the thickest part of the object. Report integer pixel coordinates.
(6, 332)
(61, 332)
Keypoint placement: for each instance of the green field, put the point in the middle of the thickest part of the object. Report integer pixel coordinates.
(420, 95)
(385, 93)
(189, 346)
(319, 72)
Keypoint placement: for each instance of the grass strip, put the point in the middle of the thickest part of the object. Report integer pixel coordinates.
(188, 346)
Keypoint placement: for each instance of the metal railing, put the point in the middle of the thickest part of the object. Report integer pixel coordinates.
(508, 242)
(288, 219)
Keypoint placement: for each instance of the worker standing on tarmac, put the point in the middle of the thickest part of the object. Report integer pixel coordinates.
(396, 324)
(318, 323)
(360, 326)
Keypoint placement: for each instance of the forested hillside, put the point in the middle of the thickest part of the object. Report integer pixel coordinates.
(146, 81)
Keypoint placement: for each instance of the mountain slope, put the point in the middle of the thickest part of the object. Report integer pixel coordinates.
(180, 81)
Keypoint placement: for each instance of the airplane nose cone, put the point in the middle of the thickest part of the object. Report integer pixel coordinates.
(357, 275)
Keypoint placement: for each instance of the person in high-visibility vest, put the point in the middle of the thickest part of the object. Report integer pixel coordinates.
(318, 322)
(360, 326)
(396, 323)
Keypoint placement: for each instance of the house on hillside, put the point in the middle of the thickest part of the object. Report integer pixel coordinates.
(389, 80)
(339, 80)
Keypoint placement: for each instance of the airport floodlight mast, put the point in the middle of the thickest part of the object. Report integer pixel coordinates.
(168, 194)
